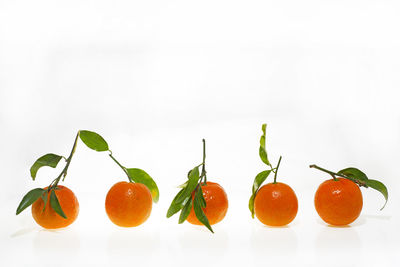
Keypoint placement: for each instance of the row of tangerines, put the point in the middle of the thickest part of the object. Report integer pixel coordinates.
(338, 201)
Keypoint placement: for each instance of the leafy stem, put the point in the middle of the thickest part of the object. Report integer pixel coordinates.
(334, 174)
(358, 177)
(50, 160)
(93, 141)
(191, 195)
(262, 176)
(63, 173)
(96, 142)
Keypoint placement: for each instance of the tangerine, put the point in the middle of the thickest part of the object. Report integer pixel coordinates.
(48, 218)
(128, 204)
(216, 204)
(338, 202)
(275, 204)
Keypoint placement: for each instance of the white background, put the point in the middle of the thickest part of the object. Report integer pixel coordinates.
(154, 77)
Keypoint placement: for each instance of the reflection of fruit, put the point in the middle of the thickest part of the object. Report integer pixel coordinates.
(48, 218)
(338, 202)
(216, 204)
(128, 204)
(275, 204)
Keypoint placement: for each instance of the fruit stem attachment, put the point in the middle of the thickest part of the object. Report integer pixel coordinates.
(276, 169)
(203, 169)
(333, 174)
(119, 164)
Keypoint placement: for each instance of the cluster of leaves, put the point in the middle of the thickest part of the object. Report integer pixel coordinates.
(191, 195)
(93, 141)
(262, 176)
(359, 178)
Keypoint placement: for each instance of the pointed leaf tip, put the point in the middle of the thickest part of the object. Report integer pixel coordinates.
(262, 151)
(264, 127)
(55, 204)
(29, 199)
(197, 206)
(380, 187)
(140, 176)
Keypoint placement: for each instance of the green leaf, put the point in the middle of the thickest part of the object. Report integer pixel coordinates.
(198, 210)
(262, 150)
(202, 200)
(251, 205)
(361, 178)
(379, 187)
(354, 174)
(260, 178)
(93, 140)
(186, 210)
(29, 199)
(44, 198)
(140, 176)
(175, 205)
(192, 183)
(50, 160)
(55, 205)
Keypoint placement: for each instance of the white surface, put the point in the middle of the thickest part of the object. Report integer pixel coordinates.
(154, 77)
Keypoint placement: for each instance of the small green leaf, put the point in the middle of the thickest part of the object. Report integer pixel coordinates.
(140, 176)
(260, 178)
(379, 187)
(354, 174)
(55, 205)
(264, 156)
(198, 210)
(50, 160)
(186, 210)
(251, 205)
(202, 200)
(175, 205)
(262, 150)
(93, 140)
(44, 198)
(29, 199)
(192, 183)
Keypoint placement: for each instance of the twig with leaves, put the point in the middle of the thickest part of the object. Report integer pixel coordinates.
(191, 194)
(93, 141)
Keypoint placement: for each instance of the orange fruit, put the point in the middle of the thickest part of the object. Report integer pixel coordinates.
(48, 218)
(275, 204)
(338, 202)
(216, 204)
(128, 204)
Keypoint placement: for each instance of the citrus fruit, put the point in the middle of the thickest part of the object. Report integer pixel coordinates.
(338, 202)
(128, 204)
(275, 204)
(48, 218)
(216, 204)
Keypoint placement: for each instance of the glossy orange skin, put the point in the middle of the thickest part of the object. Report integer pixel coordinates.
(128, 204)
(338, 202)
(48, 218)
(216, 204)
(275, 204)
